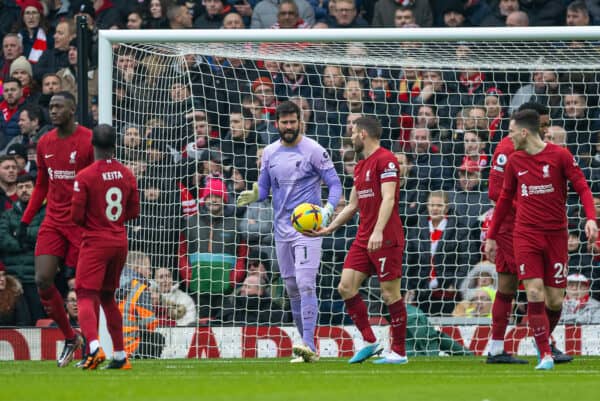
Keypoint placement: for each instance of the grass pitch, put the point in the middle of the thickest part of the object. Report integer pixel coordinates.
(426, 379)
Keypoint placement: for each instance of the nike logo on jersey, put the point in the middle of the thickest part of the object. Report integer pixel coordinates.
(48, 156)
(384, 274)
(520, 173)
(272, 165)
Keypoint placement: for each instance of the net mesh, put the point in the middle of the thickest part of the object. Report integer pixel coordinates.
(192, 121)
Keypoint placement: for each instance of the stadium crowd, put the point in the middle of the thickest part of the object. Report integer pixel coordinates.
(195, 144)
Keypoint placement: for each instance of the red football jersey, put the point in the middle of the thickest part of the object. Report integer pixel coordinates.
(504, 149)
(540, 184)
(369, 174)
(59, 160)
(105, 196)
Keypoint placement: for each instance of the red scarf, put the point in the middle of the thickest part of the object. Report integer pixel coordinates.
(40, 44)
(581, 302)
(472, 82)
(494, 125)
(435, 235)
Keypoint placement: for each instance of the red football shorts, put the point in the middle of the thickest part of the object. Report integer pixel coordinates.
(99, 267)
(505, 254)
(62, 241)
(386, 263)
(542, 255)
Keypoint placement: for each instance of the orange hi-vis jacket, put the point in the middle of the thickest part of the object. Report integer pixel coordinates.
(136, 317)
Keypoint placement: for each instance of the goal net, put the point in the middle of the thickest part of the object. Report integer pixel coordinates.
(194, 115)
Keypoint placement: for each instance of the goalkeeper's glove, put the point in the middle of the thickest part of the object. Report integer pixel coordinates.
(247, 197)
(327, 214)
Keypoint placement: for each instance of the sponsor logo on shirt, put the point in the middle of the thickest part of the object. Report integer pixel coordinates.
(61, 174)
(540, 189)
(366, 193)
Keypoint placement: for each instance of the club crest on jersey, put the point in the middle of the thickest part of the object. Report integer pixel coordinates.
(524, 191)
(546, 171)
(368, 175)
(72, 157)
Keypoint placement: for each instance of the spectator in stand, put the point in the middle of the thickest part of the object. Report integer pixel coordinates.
(469, 200)
(543, 90)
(427, 117)
(179, 17)
(10, 108)
(21, 70)
(544, 12)
(264, 101)
(332, 82)
(482, 274)
(51, 84)
(577, 14)
(386, 13)
(581, 123)
(430, 170)
(68, 75)
(233, 21)
(404, 17)
(478, 304)
(135, 19)
(436, 91)
(240, 144)
(580, 254)
(18, 256)
(215, 11)
(12, 48)
(346, 16)
(34, 30)
(215, 250)
(500, 13)
(19, 152)
(578, 306)
(253, 303)
(177, 305)
(13, 307)
(287, 16)
(157, 15)
(71, 308)
(297, 80)
(139, 321)
(517, 18)
(30, 124)
(8, 182)
(56, 58)
(455, 14)
(495, 103)
(409, 206)
(132, 144)
(265, 13)
(436, 256)
(557, 135)
(107, 15)
(85, 9)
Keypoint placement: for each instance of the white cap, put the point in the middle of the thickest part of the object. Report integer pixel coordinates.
(577, 277)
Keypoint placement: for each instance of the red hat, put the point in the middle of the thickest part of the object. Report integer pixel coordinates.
(470, 166)
(30, 3)
(214, 186)
(261, 81)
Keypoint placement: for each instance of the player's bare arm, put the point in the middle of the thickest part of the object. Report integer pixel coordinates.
(388, 192)
(345, 215)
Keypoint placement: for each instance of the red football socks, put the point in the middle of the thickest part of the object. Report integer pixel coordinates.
(114, 320)
(501, 310)
(55, 308)
(538, 322)
(357, 309)
(553, 318)
(398, 315)
(88, 302)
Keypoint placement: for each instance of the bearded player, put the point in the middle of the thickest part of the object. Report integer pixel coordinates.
(379, 243)
(293, 168)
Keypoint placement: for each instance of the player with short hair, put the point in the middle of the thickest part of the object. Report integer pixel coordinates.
(379, 243)
(537, 173)
(293, 168)
(105, 196)
(508, 280)
(61, 154)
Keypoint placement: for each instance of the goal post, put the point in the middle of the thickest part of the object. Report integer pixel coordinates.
(194, 108)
